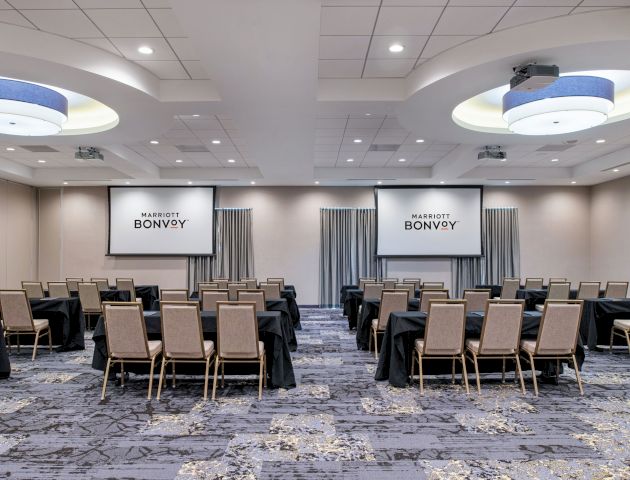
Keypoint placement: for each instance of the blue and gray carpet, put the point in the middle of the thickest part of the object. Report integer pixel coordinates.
(339, 423)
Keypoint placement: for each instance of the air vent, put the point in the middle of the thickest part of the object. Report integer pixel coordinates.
(375, 147)
(369, 179)
(39, 148)
(511, 179)
(192, 148)
(554, 148)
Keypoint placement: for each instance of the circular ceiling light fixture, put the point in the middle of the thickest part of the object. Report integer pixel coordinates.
(145, 50)
(396, 48)
(28, 109)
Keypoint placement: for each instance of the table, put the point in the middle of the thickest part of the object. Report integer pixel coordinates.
(279, 363)
(495, 290)
(5, 364)
(111, 295)
(65, 318)
(369, 311)
(344, 295)
(289, 295)
(150, 295)
(537, 296)
(597, 319)
(394, 362)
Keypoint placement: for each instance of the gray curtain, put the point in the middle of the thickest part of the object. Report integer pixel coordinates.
(234, 256)
(347, 247)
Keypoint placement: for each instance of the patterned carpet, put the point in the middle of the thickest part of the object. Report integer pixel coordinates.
(339, 423)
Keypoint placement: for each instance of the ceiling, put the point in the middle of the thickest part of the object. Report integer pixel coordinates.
(290, 92)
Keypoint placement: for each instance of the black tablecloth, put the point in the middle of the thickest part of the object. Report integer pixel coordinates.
(343, 296)
(403, 328)
(270, 329)
(289, 295)
(495, 290)
(281, 305)
(292, 288)
(597, 319)
(150, 295)
(111, 295)
(65, 319)
(537, 296)
(5, 364)
(369, 311)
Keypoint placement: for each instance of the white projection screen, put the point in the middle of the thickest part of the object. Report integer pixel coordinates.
(161, 220)
(428, 221)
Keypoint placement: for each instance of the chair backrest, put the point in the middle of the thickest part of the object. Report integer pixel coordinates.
(433, 286)
(445, 327)
(277, 280)
(127, 284)
(237, 330)
(209, 299)
(559, 327)
(558, 291)
(256, 296)
(410, 287)
(476, 299)
(90, 297)
(182, 334)
(174, 295)
(207, 286)
(364, 280)
(373, 290)
(33, 289)
(534, 283)
(391, 301)
(222, 283)
(233, 288)
(101, 283)
(58, 289)
(416, 281)
(16, 310)
(509, 288)
(125, 330)
(616, 290)
(557, 280)
(501, 330)
(73, 283)
(272, 290)
(389, 283)
(588, 290)
(252, 283)
(431, 294)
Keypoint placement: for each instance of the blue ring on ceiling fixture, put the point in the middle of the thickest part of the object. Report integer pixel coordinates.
(35, 94)
(572, 86)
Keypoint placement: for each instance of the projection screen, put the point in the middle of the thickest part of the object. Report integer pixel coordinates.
(428, 221)
(161, 220)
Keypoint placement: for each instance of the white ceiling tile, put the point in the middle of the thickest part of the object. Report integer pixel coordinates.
(167, 22)
(350, 3)
(415, 3)
(41, 4)
(469, 20)
(196, 70)
(407, 20)
(184, 48)
(69, 23)
(376, 159)
(165, 70)
(124, 22)
(208, 126)
(14, 18)
(157, 3)
(329, 132)
(391, 123)
(379, 48)
(326, 148)
(102, 43)
(343, 47)
(109, 3)
(363, 123)
(324, 162)
(387, 140)
(340, 68)
(608, 3)
(348, 20)
(5, 5)
(328, 140)
(481, 3)
(439, 43)
(547, 3)
(332, 123)
(129, 48)
(589, 9)
(520, 15)
(362, 133)
(388, 68)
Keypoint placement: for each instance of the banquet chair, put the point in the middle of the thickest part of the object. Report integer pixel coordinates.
(432, 285)
(256, 296)
(476, 299)
(33, 289)
(233, 288)
(533, 283)
(182, 340)
(391, 301)
(222, 283)
(207, 286)
(209, 299)
(557, 280)
(443, 338)
(252, 283)
(620, 328)
(127, 341)
(556, 291)
(427, 295)
(557, 337)
(272, 290)
(500, 337)
(73, 283)
(364, 280)
(278, 280)
(101, 283)
(58, 289)
(616, 290)
(373, 290)
(127, 284)
(389, 283)
(237, 341)
(588, 290)
(509, 288)
(90, 298)
(416, 281)
(174, 295)
(18, 319)
(410, 287)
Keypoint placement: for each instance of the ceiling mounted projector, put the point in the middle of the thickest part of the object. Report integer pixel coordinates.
(532, 77)
(492, 152)
(88, 153)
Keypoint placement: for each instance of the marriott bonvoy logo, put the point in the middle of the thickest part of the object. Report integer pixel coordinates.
(431, 221)
(160, 220)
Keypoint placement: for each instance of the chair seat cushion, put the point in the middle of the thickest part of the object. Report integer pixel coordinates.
(623, 324)
(473, 345)
(208, 347)
(419, 345)
(155, 346)
(528, 345)
(40, 323)
(261, 348)
(540, 308)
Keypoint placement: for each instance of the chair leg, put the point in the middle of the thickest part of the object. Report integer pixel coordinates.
(577, 374)
(151, 378)
(531, 362)
(557, 370)
(49, 341)
(173, 376)
(465, 374)
(503, 371)
(520, 373)
(161, 378)
(109, 361)
(477, 373)
(420, 374)
(413, 366)
(375, 344)
(260, 378)
(216, 372)
(612, 337)
(265, 370)
(122, 373)
(205, 380)
(223, 375)
(18, 343)
(453, 371)
(370, 340)
(35, 346)
(627, 332)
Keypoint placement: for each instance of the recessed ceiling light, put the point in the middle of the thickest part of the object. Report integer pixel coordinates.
(368, 114)
(65, 183)
(442, 182)
(507, 182)
(179, 160)
(10, 149)
(189, 182)
(555, 160)
(615, 170)
(357, 140)
(145, 50)
(252, 182)
(41, 161)
(216, 142)
(316, 182)
(504, 159)
(396, 48)
(350, 160)
(231, 160)
(196, 115)
(379, 183)
(419, 140)
(127, 183)
(573, 182)
(401, 160)
(154, 142)
(600, 140)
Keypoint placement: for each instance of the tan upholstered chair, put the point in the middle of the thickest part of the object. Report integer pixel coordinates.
(509, 288)
(557, 337)
(431, 294)
(233, 288)
(176, 295)
(209, 299)
(18, 319)
(533, 283)
(222, 283)
(33, 289)
(476, 299)
(272, 290)
(127, 284)
(373, 290)
(416, 281)
(90, 298)
(207, 286)
(409, 286)
(58, 289)
(391, 301)
(588, 290)
(620, 328)
(500, 337)
(73, 283)
(364, 280)
(443, 337)
(101, 283)
(182, 340)
(277, 280)
(252, 283)
(127, 340)
(616, 290)
(237, 341)
(389, 283)
(433, 286)
(256, 296)
(557, 280)
(556, 291)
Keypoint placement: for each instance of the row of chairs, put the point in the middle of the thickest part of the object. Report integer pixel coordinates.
(391, 282)
(559, 288)
(250, 283)
(210, 297)
(272, 290)
(35, 289)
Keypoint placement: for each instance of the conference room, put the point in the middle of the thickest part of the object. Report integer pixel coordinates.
(314, 239)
